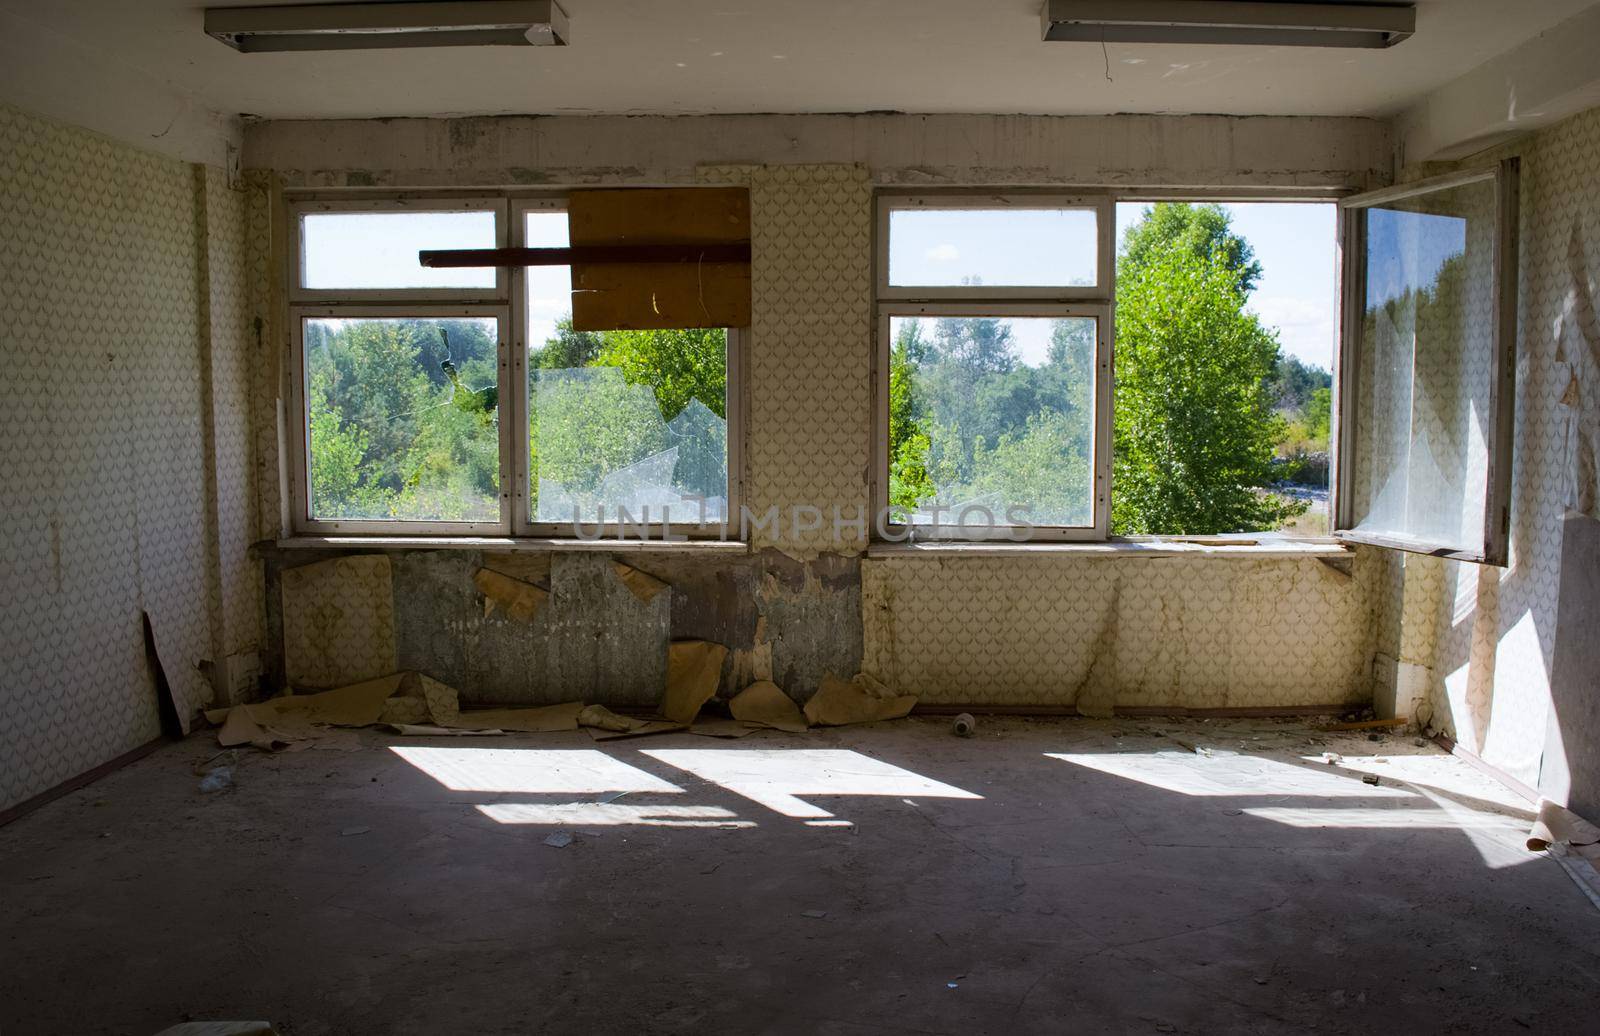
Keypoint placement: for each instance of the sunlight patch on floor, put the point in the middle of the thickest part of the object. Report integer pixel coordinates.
(609, 814)
(777, 778)
(532, 771)
(1187, 773)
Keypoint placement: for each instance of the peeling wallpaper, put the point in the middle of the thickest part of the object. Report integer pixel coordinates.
(1496, 629)
(111, 327)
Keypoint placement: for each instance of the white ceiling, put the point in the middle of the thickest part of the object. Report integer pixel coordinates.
(697, 56)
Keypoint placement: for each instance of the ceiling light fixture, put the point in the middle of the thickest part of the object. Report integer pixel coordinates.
(1278, 23)
(377, 26)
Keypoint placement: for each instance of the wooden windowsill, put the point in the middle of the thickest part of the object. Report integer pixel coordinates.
(1244, 549)
(512, 543)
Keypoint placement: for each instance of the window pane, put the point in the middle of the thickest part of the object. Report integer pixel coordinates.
(1427, 362)
(379, 249)
(990, 415)
(549, 291)
(1053, 248)
(404, 418)
(628, 426)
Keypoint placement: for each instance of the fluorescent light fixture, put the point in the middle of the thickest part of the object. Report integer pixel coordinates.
(1270, 23)
(376, 26)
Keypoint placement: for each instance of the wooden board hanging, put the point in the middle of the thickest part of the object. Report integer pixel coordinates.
(639, 296)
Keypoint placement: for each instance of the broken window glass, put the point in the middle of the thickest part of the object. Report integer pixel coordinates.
(602, 445)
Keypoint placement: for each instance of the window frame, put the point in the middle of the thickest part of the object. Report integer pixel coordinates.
(300, 453)
(522, 523)
(902, 532)
(298, 208)
(1506, 176)
(1102, 205)
(507, 303)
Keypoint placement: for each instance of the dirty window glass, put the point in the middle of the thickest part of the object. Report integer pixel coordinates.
(1427, 365)
(403, 418)
(378, 250)
(990, 247)
(991, 421)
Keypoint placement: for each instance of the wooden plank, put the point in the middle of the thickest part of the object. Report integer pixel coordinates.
(648, 295)
(473, 258)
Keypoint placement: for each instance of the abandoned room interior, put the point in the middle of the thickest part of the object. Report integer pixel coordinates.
(1046, 516)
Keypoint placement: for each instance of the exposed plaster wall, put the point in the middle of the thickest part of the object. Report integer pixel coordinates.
(1125, 150)
(95, 86)
(121, 321)
(1488, 635)
(1191, 633)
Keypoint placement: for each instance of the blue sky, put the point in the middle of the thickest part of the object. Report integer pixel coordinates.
(1293, 241)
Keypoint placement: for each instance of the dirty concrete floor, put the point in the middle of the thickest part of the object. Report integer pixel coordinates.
(1044, 876)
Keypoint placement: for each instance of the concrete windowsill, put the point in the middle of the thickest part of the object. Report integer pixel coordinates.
(1245, 549)
(512, 543)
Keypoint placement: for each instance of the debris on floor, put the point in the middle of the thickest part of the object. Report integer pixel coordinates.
(764, 704)
(558, 840)
(220, 1029)
(694, 668)
(964, 725)
(219, 779)
(863, 699)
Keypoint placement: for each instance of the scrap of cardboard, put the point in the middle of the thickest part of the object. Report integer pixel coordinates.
(601, 718)
(655, 726)
(540, 719)
(725, 728)
(694, 668)
(429, 730)
(765, 704)
(528, 567)
(519, 600)
(643, 585)
(861, 700)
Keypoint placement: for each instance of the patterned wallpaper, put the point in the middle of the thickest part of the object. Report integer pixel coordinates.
(1489, 685)
(1200, 633)
(809, 400)
(107, 312)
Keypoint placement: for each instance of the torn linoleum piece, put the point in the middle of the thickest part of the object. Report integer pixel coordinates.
(694, 669)
(839, 702)
(1556, 823)
(643, 585)
(654, 726)
(519, 600)
(764, 704)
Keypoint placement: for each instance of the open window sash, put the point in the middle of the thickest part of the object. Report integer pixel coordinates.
(1426, 366)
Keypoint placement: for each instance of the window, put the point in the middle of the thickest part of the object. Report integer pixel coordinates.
(1227, 317)
(1427, 365)
(993, 367)
(461, 401)
(998, 411)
